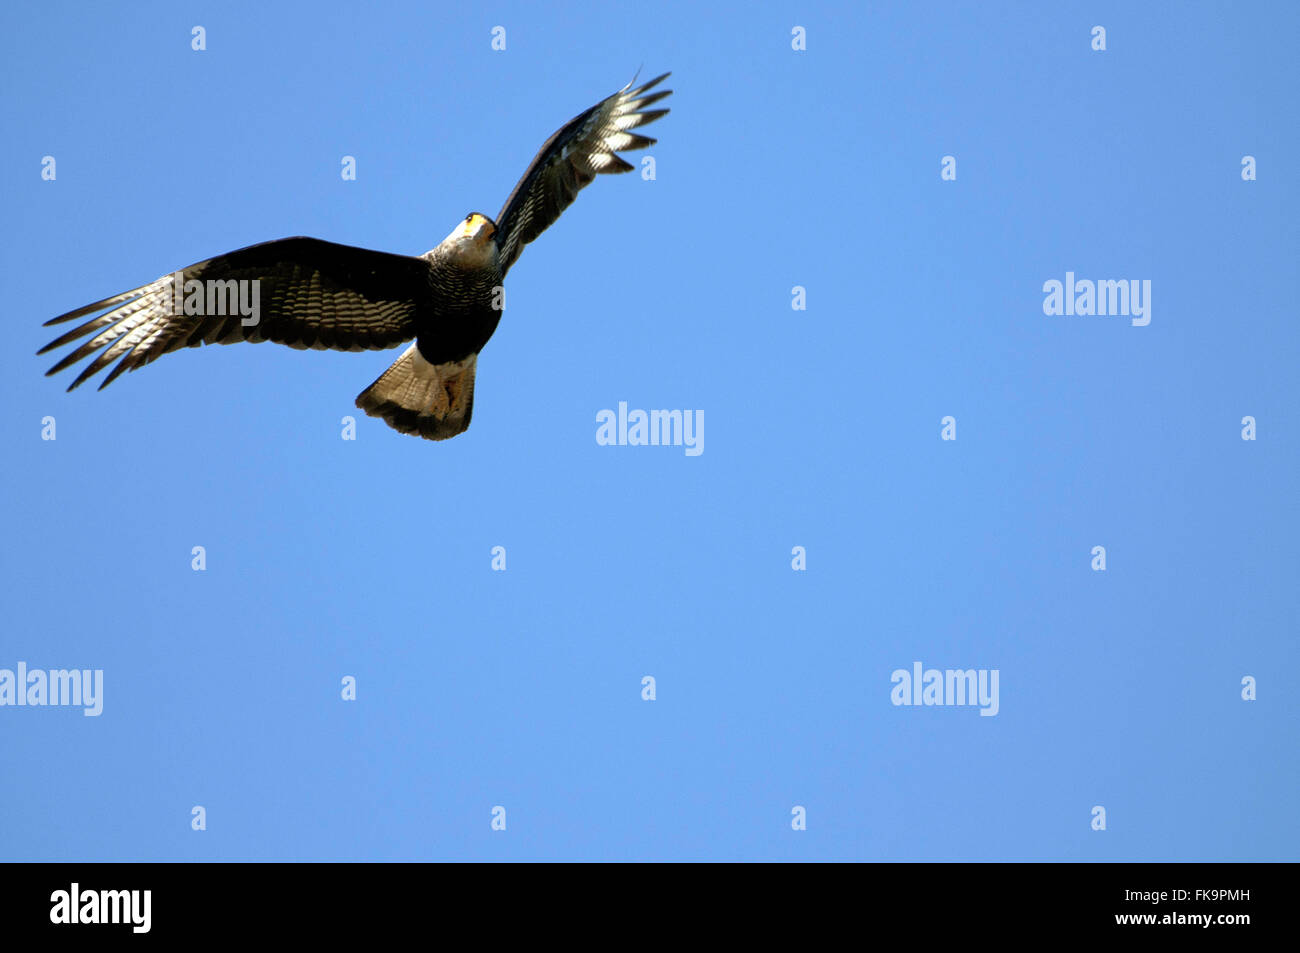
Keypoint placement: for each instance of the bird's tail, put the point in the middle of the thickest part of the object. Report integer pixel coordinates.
(432, 400)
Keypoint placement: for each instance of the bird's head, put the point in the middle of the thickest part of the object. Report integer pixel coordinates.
(471, 240)
(477, 226)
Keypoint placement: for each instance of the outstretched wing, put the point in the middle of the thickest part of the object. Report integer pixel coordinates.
(571, 158)
(309, 293)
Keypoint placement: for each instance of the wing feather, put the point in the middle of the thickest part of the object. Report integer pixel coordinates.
(583, 148)
(311, 293)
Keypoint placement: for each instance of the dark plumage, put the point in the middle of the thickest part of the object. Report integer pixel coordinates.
(309, 293)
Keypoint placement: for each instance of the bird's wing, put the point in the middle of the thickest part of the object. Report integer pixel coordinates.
(584, 147)
(309, 293)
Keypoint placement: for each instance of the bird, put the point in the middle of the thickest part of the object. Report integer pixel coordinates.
(311, 293)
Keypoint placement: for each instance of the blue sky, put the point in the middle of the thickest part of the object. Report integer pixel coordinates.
(777, 168)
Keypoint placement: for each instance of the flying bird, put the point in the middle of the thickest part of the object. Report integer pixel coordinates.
(309, 293)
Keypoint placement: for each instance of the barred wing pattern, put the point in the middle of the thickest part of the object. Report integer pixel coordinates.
(583, 148)
(311, 294)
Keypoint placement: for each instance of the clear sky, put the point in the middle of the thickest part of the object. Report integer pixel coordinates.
(821, 169)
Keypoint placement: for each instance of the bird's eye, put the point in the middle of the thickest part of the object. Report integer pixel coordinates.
(469, 217)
